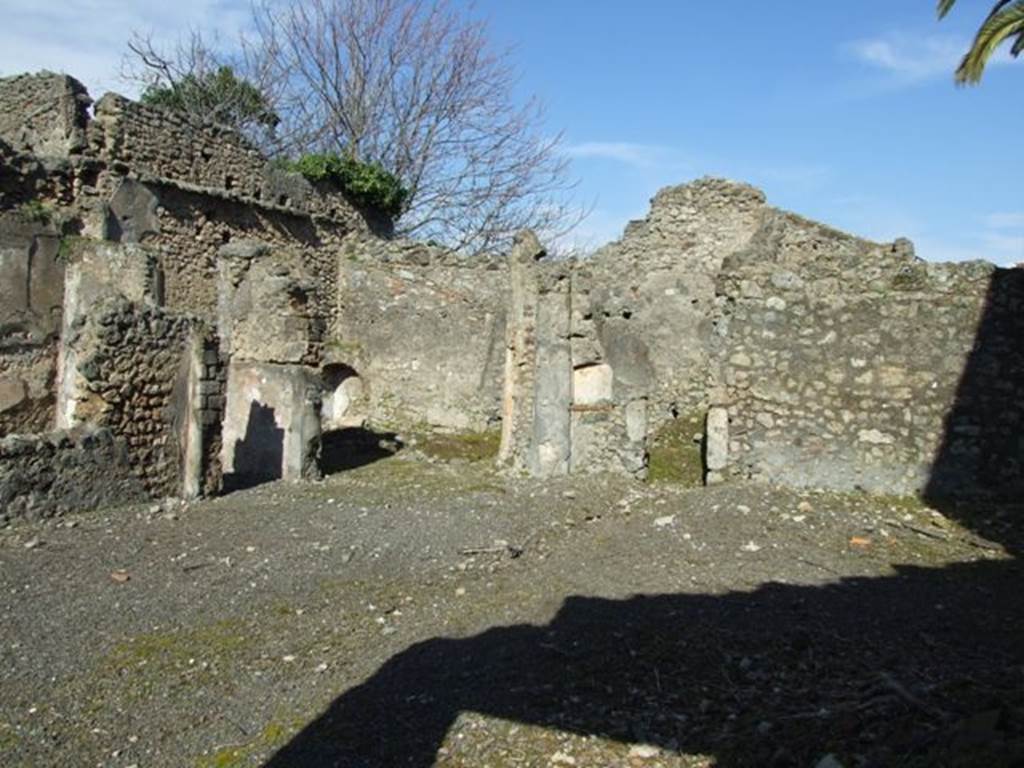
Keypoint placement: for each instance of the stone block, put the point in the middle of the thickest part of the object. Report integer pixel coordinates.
(717, 439)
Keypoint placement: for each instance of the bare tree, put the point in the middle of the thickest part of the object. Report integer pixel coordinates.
(415, 87)
(196, 78)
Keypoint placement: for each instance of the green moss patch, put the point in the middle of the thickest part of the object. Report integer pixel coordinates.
(36, 212)
(461, 446)
(273, 736)
(178, 650)
(674, 456)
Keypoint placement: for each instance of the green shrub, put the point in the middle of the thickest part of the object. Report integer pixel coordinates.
(367, 184)
(218, 95)
(36, 211)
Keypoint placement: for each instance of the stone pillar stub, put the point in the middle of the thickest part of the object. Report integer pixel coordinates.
(716, 443)
(520, 350)
(551, 442)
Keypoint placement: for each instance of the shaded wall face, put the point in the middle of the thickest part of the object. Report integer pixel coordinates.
(44, 114)
(32, 290)
(982, 445)
(58, 472)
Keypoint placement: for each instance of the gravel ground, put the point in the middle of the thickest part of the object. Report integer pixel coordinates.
(414, 613)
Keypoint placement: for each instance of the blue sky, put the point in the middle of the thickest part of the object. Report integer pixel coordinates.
(844, 112)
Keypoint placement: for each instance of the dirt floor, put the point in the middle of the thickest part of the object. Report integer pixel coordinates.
(420, 613)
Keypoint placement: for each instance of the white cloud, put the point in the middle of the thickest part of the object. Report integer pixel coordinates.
(644, 156)
(1005, 220)
(912, 58)
(86, 38)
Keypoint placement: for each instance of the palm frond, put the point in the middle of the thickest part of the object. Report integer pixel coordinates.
(1005, 22)
(945, 6)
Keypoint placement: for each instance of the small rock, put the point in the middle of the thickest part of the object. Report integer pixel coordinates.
(829, 761)
(569, 494)
(560, 758)
(321, 668)
(805, 507)
(661, 522)
(33, 543)
(750, 546)
(644, 751)
(460, 591)
(288, 659)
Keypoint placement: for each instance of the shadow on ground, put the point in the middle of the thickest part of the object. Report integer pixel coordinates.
(343, 449)
(891, 669)
(920, 668)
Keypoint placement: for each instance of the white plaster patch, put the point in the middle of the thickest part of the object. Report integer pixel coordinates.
(592, 384)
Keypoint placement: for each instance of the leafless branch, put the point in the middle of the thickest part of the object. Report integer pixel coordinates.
(415, 86)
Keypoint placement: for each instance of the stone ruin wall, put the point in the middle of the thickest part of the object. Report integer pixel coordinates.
(177, 192)
(650, 294)
(64, 471)
(569, 403)
(850, 365)
(424, 329)
(192, 189)
(131, 366)
(135, 361)
(816, 358)
(44, 115)
(133, 173)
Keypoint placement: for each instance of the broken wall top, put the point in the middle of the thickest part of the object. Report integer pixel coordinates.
(44, 114)
(47, 115)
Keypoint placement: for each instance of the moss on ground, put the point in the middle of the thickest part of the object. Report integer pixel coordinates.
(460, 446)
(166, 651)
(275, 734)
(8, 737)
(674, 456)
